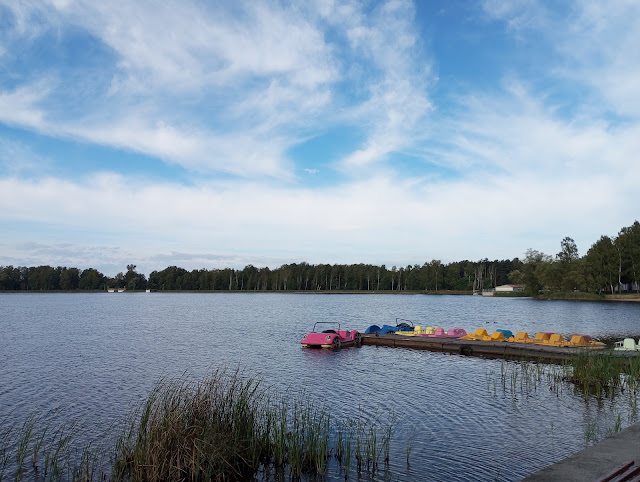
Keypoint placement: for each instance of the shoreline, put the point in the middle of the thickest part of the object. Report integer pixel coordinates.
(629, 297)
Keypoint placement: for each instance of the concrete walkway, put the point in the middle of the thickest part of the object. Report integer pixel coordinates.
(595, 461)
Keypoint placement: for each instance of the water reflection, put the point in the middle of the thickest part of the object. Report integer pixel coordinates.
(99, 355)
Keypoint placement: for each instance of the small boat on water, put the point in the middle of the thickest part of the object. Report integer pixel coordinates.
(481, 335)
(542, 338)
(556, 339)
(401, 325)
(439, 332)
(418, 331)
(628, 344)
(332, 337)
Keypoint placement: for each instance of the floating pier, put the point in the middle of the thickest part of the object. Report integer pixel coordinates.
(487, 349)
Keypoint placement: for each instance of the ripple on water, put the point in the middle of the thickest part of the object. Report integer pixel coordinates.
(98, 355)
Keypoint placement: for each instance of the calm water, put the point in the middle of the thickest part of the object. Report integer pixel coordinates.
(96, 356)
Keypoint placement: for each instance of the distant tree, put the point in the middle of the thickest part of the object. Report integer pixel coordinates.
(134, 280)
(516, 277)
(69, 279)
(9, 278)
(628, 242)
(44, 278)
(567, 268)
(532, 259)
(602, 263)
(91, 279)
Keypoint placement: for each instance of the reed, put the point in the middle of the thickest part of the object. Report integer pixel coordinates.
(49, 451)
(590, 432)
(211, 429)
(604, 373)
(616, 427)
(224, 427)
(409, 447)
(347, 456)
(227, 427)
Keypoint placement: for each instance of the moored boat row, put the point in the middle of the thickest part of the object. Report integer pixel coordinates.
(541, 338)
(336, 338)
(407, 328)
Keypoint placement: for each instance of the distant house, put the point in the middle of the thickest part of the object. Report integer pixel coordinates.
(115, 290)
(509, 288)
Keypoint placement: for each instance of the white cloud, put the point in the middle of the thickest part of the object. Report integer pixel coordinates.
(20, 106)
(397, 104)
(196, 86)
(597, 44)
(380, 220)
(230, 88)
(192, 84)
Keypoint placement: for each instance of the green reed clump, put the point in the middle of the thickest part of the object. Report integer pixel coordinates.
(307, 443)
(214, 429)
(599, 373)
(590, 432)
(49, 451)
(227, 427)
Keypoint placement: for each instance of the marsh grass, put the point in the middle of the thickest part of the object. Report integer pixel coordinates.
(594, 375)
(605, 374)
(599, 374)
(227, 427)
(524, 377)
(217, 428)
(224, 427)
(590, 432)
(36, 451)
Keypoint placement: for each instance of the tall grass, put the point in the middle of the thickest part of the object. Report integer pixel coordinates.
(215, 429)
(604, 373)
(594, 375)
(224, 427)
(49, 452)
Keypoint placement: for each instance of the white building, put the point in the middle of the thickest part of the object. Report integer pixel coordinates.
(509, 288)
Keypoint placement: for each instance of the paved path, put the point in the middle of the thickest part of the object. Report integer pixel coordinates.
(595, 461)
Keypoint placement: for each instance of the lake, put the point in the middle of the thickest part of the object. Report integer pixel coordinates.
(92, 358)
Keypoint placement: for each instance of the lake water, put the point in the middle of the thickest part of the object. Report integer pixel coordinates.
(96, 356)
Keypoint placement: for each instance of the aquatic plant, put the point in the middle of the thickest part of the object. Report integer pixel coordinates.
(590, 432)
(604, 373)
(215, 428)
(224, 427)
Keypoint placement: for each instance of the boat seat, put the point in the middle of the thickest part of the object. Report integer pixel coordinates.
(479, 334)
(556, 339)
(578, 340)
(497, 336)
(522, 337)
(506, 333)
(541, 337)
(456, 332)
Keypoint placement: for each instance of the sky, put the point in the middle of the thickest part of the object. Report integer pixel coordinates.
(214, 134)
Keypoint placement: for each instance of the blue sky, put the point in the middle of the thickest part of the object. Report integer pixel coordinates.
(219, 134)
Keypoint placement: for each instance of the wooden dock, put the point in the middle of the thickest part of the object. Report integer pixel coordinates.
(487, 349)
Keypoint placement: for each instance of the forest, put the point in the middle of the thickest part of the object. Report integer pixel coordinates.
(611, 265)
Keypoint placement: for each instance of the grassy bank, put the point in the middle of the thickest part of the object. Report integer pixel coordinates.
(224, 427)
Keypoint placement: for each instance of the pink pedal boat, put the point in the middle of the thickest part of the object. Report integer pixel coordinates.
(331, 337)
(440, 333)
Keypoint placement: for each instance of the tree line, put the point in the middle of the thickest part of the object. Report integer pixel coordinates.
(610, 265)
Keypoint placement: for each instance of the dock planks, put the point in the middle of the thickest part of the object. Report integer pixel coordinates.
(488, 349)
